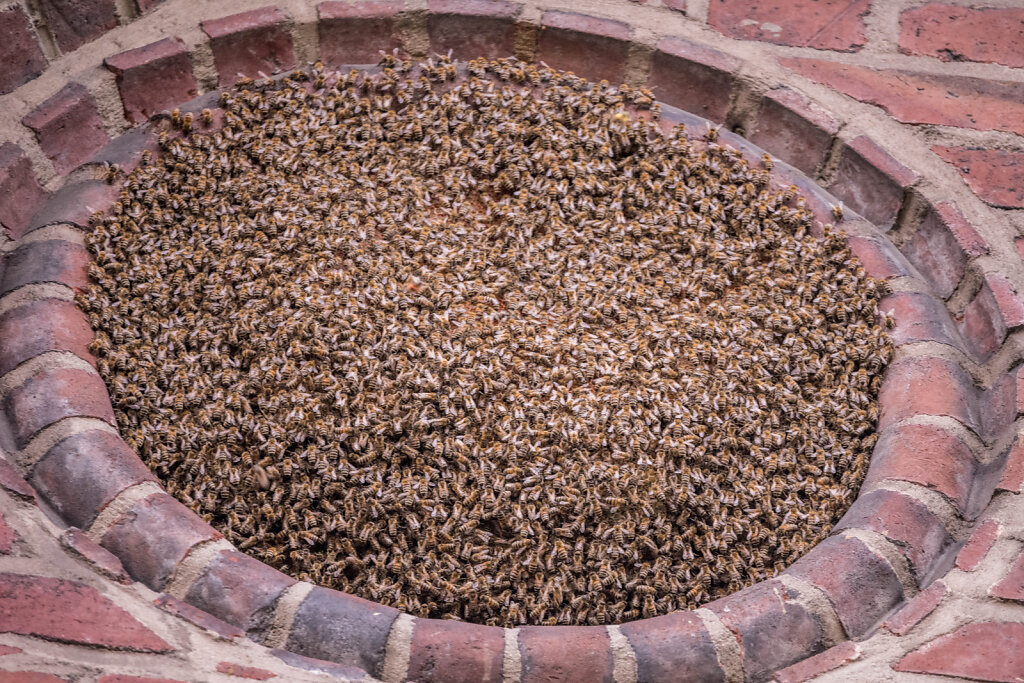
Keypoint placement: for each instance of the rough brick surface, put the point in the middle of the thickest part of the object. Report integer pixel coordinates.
(153, 78)
(1011, 586)
(240, 671)
(588, 46)
(21, 58)
(124, 678)
(942, 245)
(7, 537)
(99, 557)
(31, 677)
(71, 612)
(829, 660)
(455, 652)
(997, 176)
(238, 589)
(871, 181)
(41, 326)
(793, 129)
(673, 648)
(52, 395)
(472, 28)
(356, 32)
(75, 22)
(1013, 471)
(928, 386)
(179, 608)
(920, 318)
(915, 611)
(58, 261)
(822, 24)
(68, 127)
(551, 653)
(988, 652)
(12, 482)
(17, 180)
(249, 42)
(971, 555)
(692, 77)
(995, 310)
(954, 34)
(880, 258)
(319, 665)
(74, 204)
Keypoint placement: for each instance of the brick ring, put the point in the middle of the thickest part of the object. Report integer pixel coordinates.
(942, 422)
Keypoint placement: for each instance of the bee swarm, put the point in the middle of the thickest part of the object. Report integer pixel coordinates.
(488, 347)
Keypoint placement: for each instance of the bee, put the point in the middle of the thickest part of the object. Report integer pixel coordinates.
(206, 117)
(837, 211)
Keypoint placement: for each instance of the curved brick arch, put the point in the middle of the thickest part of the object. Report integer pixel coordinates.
(946, 404)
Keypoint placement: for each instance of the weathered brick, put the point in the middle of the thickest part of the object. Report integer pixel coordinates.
(31, 677)
(241, 671)
(557, 653)
(881, 259)
(871, 181)
(793, 129)
(823, 24)
(1011, 586)
(996, 309)
(974, 551)
(942, 245)
(9, 650)
(341, 628)
(99, 557)
(955, 34)
(125, 678)
(455, 652)
(675, 647)
(588, 46)
(41, 326)
(911, 614)
(928, 386)
(126, 149)
(773, 628)
(21, 57)
(68, 127)
(153, 77)
(995, 175)
(60, 261)
(694, 78)
(991, 651)
(1013, 471)
(75, 22)
(194, 615)
(249, 42)
(319, 665)
(920, 318)
(7, 537)
(70, 612)
(74, 204)
(472, 28)
(153, 536)
(357, 32)
(829, 660)
(52, 395)
(238, 589)
(19, 181)
(12, 482)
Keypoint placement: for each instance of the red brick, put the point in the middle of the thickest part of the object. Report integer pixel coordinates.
(40, 326)
(673, 648)
(341, 628)
(871, 181)
(71, 612)
(68, 127)
(319, 665)
(74, 204)
(472, 28)
(1003, 403)
(7, 537)
(880, 258)
(190, 613)
(357, 32)
(238, 589)
(75, 22)
(153, 536)
(126, 149)
(994, 175)
(102, 559)
(995, 310)
(694, 78)
(962, 101)
(12, 482)
(793, 129)
(249, 42)
(829, 660)
(988, 651)
(774, 630)
(46, 261)
(8, 650)
(590, 47)
(30, 677)
(923, 604)
(942, 245)
(52, 395)
(1013, 472)
(250, 672)
(17, 180)
(971, 555)
(822, 24)
(918, 534)
(954, 34)
(455, 652)
(928, 386)
(21, 57)
(1011, 587)
(153, 78)
(125, 678)
(920, 318)
(560, 653)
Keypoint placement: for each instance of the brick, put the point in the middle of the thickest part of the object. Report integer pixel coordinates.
(125, 678)
(17, 180)
(126, 149)
(30, 677)
(823, 24)
(994, 175)
(52, 395)
(40, 326)
(1011, 586)
(70, 612)
(823, 662)
(914, 612)
(455, 652)
(153, 78)
(942, 245)
(861, 585)
(910, 97)
(76, 22)
(928, 386)
(8, 650)
(12, 482)
(871, 181)
(21, 57)
(673, 648)
(971, 555)
(694, 78)
(58, 261)
(240, 671)
(99, 557)
(791, 128)
(472, 28)
(68, 127)
(153, 536)
(994, 311)
(319, 665)
(1003, 403)
(246, 43)
(238, 589)
(7, 537)
(588, 46)
(879, 257)
(955, 34)
(1012, 477)
(74, 204)
(920, 318)
(773, 628)
(341, 628)
(918, 534)
(357, 32)
(196, 616)
(988, 651)
(559, 653)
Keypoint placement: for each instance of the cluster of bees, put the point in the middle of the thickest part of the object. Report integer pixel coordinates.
(482, 342)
